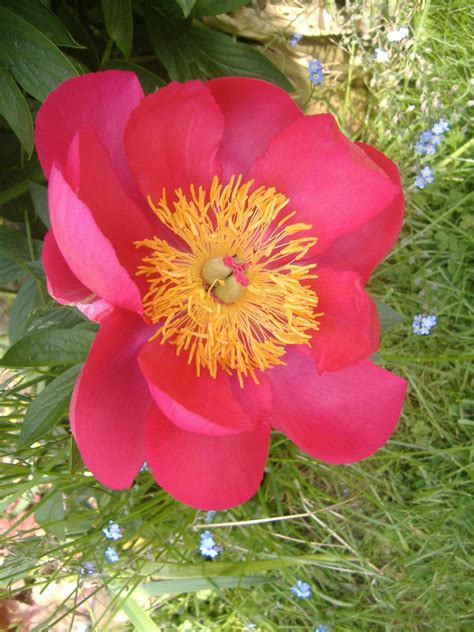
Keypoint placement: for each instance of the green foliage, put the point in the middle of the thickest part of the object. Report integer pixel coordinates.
(119, 23)
(51, 347)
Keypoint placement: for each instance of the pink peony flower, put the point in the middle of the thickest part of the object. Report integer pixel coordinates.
(222, 240)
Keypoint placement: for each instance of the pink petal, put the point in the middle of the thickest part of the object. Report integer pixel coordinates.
(66, 288)
(330, 182)
(350, 328)
(254, 111)
(339, 417)
(121, 220)
(197, 404)
(89, 255)
(103, 100)
(110, 402)
(207, 473)
(172, 139)
(381, 233)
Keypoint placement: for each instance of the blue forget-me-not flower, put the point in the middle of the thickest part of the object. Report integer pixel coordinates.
(315, 69)
(87, 569)
(208, 547)
(112, 531)
(111, 555)
(295, 39)
(302, 590)
(423, 324)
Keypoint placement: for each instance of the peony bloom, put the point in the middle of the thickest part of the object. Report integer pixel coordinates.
(222, 240)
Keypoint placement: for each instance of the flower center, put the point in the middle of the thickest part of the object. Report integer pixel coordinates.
(227, 290)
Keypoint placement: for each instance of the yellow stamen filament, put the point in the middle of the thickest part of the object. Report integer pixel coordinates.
(273, 310)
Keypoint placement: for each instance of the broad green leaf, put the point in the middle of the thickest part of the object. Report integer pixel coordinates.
(49, 407)
(39, 197)
(50, 514)
(215, 7)
(238, 569)
(119, 23)
(389, 318)
(149, 81)
(177, 586)
(49, 348)
(14, 255)
(52, 315)
(35, 62)
(75, 459)
(44, 20)
(26, 300)
(14, 108)
(190, 51)
(9, 271)
(140, 619)
(186, 6)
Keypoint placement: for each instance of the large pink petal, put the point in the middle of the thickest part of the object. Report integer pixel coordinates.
(110, 402)
(207, 473)
(254, 111)
(121, 220)
(65, 287)
(89, 254)
(364, 248)
(172, 139)
(103, 100)
(198, 404)
(339, 417)
(330, 182)
(350, 328)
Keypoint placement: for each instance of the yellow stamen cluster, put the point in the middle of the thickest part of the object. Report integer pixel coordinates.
(273, 310)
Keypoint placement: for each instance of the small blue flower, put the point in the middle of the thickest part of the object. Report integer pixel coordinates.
(112, 531)
(426, 137)
(427, 174)
(302, 590)
(295, 39)
(207, 546)
(430, 149)
(423, 324)
(321, 628)
(436, 139)
(420, 148)
(87, 569)
(440, 127)
(420, 182)
(111, 555)
(315, 69)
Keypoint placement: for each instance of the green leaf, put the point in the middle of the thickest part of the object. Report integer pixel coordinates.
(75, 459)
(39, 197)
(26, 300)
(14, 108)
(149, 81)
(215, 7)
(35, 62)
(50, 514)
(49, 348)
(140, 619)
(177, 586)
(54, 315)
(389, 318)
(119, 23)
(49, 407)
(190, 51)
(186, 6)
(14, 255)
(43, 19)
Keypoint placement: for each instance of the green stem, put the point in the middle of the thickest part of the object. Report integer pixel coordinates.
(347, 95)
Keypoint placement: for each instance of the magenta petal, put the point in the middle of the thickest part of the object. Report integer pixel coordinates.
(197, 404)
(66, 288)
(331, 183)
(364, 248)
(204, 472)
(111, 400)
(254, 111)
(340, 417)
(103, 100)
(89, 255)
(172, 139)
(349, 328)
